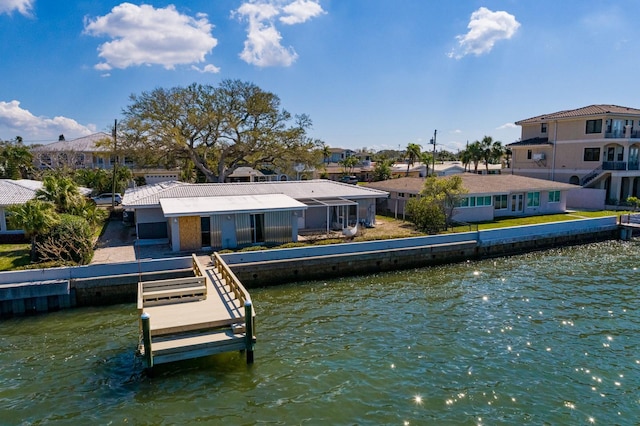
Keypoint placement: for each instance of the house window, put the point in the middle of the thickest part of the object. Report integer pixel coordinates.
(594, 126)
(528, 154)
(483, 201)
(554, 196)
(543, 128)
(592, 154)
(464, 202)
(533, 199)
(500, 202)
(400, 194)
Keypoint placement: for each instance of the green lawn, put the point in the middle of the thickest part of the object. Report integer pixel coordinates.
(13, 256)
(534, 220)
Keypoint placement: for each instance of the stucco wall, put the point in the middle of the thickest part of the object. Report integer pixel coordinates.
(586, 198)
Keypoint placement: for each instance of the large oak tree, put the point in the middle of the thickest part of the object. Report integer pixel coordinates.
(217, 128)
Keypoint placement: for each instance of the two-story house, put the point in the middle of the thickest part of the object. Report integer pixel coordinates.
(596, 146)
(92, 152)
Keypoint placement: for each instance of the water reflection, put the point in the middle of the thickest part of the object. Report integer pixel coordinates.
(547, 337)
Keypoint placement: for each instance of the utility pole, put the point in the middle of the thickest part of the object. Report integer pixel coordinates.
(433, 141)
(115, 163)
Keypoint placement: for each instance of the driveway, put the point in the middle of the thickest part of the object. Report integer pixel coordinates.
(118, 244)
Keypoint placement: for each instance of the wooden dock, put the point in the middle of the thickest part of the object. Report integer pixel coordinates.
(197, 316)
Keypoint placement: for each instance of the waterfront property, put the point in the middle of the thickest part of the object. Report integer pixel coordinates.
(184, 318)
(230, 215)
(597, 146)
(488, 197)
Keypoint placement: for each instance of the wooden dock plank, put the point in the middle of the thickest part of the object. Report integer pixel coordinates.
(197, 326)
(217, 310)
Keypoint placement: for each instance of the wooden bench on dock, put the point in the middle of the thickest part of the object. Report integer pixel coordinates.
(177, 290)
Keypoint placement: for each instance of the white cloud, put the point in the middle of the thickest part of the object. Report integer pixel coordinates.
(301, 11)
(144, 35)
(263, 46)
(16, 121)
(507, 126)
(24, 7)
(485, 29)
(206, 69)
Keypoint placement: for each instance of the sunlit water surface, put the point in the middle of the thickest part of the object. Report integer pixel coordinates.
(544, 338)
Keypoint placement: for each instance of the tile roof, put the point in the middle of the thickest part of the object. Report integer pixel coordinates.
(83, 144)
(588, 111)
(150, 195)
(478, 184)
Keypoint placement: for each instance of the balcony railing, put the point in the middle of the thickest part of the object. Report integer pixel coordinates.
(614, 165)
(633, 165)
(616, 134)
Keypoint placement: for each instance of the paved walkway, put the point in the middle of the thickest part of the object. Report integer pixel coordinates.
(118, 244)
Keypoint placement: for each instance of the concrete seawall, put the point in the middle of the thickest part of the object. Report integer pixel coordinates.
(273, 272)
(43, 290)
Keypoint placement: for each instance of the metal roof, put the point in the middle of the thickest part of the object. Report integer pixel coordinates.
(17, 191)
(172, 207)
(319, 189)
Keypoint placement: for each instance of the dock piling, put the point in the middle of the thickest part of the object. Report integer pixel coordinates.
(248, 318)
(146, 338)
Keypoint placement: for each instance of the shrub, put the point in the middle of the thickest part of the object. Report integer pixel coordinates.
(70, 240)
(426, 215)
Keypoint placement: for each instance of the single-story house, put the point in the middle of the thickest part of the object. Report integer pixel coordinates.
(229, 215)
(488, 197)
(16, 192)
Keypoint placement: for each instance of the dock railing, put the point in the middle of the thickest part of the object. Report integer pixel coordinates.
(230, 278)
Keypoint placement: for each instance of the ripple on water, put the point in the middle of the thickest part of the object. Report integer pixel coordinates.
(548, 337)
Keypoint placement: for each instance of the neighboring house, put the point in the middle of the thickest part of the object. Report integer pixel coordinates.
(596, 146)
(230, 215)
(339, 154)
(16, 192)
(249, 174)
(92, 152)
(335, 172)
(489, 196)
(417, 169)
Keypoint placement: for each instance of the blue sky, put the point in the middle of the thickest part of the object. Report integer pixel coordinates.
(371, 73)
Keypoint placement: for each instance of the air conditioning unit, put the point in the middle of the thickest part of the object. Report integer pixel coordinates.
(538, 157)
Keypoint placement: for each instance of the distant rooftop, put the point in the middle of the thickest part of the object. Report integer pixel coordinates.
(588, 111)
(83, 144)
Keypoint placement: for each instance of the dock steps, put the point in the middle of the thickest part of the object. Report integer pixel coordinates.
(195, 345)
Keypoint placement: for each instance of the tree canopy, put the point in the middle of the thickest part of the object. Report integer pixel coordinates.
(438, 198)
(16, 161)
(217, 129)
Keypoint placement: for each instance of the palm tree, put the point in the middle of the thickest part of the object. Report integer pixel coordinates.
(326, 153)
(465, 157)
(35, 217)
(491, 150)
(61, 191)
(348, 163)
(413, 153)
(475, 154)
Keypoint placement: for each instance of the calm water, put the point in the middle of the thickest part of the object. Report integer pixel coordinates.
(545, 338)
